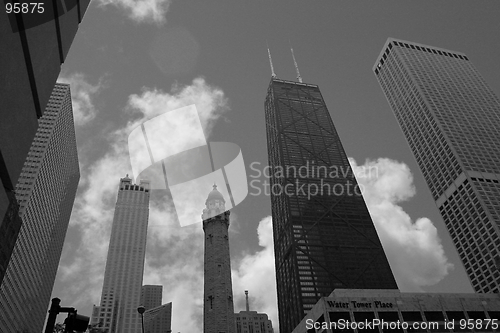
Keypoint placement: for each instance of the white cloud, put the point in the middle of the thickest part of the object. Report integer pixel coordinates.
(174, 253)
(174, 259)
(210, 102)
(142, 10)
(413, 248)
(82, 97)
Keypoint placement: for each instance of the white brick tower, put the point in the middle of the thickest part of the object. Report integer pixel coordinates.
(218, 308)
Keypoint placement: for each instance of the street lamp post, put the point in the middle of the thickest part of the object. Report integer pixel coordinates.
(141, 311)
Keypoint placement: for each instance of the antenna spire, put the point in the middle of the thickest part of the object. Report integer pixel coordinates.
(299, 78)
(273, 74)
(246, 295)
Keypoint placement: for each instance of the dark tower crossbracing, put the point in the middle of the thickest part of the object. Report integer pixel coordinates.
(323, 240)
(451, 120)
(218, 307)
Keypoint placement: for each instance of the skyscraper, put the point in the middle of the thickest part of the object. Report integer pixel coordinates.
(121, 291)
(218, 307)
(324, 237)
(33, 49)
(158, 317)
(45, 191)
(151, 296)
(451, 120)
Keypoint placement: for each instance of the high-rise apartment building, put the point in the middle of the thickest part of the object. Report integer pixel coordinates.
(121, 291)
(218, 307)
(45, 191)
(451, 120)
(33, 48)
(151, 296)
(324, 237)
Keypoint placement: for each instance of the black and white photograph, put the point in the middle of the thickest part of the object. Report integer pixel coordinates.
(265, 166)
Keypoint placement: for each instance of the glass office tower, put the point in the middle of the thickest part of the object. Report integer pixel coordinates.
(324, 237)
(451, 119)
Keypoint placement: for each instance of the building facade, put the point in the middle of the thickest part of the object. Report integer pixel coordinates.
(33, 49)
(151, 296)
(324, 237)
(218, 307)
(451, 120)
(251, 321)
(158, 319)
(45, 192)
(121, 292)
(374, 311)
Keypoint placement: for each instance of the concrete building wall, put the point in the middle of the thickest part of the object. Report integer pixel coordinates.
(158, 319)
(33, 49)
(449, 116)
(45, 192)
(253, 322)
(440, 310)
(151, 296)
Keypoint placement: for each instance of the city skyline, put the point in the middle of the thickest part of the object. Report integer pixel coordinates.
(119, 78)
(449, 116)
(45, 191)
(324, 237)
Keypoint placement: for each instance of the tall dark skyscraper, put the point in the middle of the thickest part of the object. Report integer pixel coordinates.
(451, 119)
(45, 191)
(33, 47)
(324, 237)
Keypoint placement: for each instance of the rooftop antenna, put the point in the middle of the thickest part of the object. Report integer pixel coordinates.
(246, 295)
(299, 78)
(273, 74)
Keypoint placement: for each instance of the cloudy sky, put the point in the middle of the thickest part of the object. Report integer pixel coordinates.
(135, 59)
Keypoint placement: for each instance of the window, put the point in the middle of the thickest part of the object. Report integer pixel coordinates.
(363, 317)
(456, 316)
(389, 317)
(340, 316)
(412, 316)
(435, 316)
